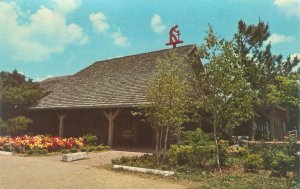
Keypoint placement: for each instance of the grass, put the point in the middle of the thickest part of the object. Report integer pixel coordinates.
(238, 179)
(229, 179)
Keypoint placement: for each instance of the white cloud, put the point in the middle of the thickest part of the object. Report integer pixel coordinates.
(157, 24)
(100, 25)
(294, 55)
(276, 38)
(66, 6)
(74, 34)
(120, 39)
(289, 7)
(45, 33)
(99, 22)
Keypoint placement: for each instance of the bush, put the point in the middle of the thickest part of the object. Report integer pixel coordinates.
(37, 151)
(280, 158)
(64, 151)
(144, 161)
(233, 155)
(197, 150)
(102, 148)
(179, 155)
(282, 163)
(17, 125)
(194, 137)
(253, 163)
(3, 128)
(73, 150)
(90, 139)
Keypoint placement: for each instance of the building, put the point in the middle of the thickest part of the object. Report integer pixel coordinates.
(99, 99)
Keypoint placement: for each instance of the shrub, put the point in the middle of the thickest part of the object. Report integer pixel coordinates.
(37, 151)
(64, 151)
(233, 155)
(278, 157)
(180, 155)
(17, 125)
(90, 139)
(3, 127)
(73, 150)
(197, 150)
(194, 137)
(253, 163)
(102, 148)
(282, 163)
(145, 161)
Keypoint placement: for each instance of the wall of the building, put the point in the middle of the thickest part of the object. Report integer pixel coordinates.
(80, 122)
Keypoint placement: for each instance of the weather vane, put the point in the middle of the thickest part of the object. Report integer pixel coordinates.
(173, 38)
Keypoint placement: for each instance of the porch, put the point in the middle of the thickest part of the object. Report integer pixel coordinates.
(114, 127)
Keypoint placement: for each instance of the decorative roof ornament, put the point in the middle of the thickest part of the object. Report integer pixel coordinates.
(174, 36)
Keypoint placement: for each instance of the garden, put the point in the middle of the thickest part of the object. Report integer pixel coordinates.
(42, 144)
(251, 165)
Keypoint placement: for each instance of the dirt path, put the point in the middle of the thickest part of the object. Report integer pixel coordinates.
(49, 172)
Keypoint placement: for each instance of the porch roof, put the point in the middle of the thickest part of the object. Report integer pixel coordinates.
(114, 83)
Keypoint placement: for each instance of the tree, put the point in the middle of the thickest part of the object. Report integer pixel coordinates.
(260, 67)
(228, 96)
(15, 126)
(17, 93)
(168, 100)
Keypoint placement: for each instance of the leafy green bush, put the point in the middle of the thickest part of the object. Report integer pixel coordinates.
(197, 150)
(282, 163)
(3, 128)
(253, 163)
(233, 155)
(179, 155)
(277, 157)
(37, 151)
(90, 139)
(15, 126)
(98, 148)
(194, 137)
(102, 148)
(64, 151)
(73, 150)
(145, 161)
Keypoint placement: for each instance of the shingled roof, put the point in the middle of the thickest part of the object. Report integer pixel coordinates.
(119, 82)
(48, 84)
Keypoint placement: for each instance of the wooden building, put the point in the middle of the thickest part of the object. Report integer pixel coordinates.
(99, 99)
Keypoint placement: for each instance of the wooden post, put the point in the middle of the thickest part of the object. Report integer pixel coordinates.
(110, 115)
(61, 116)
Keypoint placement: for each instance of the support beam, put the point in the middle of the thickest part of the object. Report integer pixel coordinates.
(111, 115)
(61, 116)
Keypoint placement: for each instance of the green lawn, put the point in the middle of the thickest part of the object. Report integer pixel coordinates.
(238, 179)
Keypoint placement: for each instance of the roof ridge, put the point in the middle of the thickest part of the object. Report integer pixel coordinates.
(150, 52)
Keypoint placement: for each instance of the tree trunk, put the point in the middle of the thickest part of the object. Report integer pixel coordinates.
(272, 124)
(161, 138)
(216, 143)
(253, 129)
(179, 135)
(165, 144)
(157, 144)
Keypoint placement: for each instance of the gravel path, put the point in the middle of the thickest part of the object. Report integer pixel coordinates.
(49, 172)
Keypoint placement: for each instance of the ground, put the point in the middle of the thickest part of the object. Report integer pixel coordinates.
(49, 172)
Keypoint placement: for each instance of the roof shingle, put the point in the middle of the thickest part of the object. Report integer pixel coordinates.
(119, 82)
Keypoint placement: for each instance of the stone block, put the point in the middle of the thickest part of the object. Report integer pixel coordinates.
(73, 156)
(6, 153)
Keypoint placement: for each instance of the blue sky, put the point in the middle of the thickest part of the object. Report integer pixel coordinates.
(46, 38)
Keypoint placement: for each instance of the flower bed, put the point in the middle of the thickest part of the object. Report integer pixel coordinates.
(25, 144)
